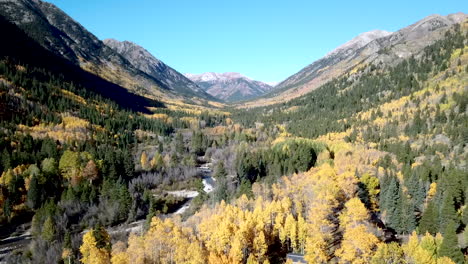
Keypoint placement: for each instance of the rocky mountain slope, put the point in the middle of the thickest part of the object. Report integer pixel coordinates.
(57, 32)
(230, 86)
(372, 47)
(141, 59)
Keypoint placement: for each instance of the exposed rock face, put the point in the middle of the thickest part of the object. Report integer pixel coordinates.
(141, 59)
(230, 86)
(368, 48)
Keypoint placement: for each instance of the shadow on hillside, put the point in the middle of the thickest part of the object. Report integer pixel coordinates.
(19, 47)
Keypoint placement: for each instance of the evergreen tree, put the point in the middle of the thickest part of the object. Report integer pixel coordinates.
(197, 143)
(221, 191)
(393, 205)
(220, 171)
(429, 220)
(48, 229)
(179, 144)
(34, 194)
(160, 147)
(245, 188)
(447, 212)
(102, 237)
(6, 161)
(449, 246)
(408, 219)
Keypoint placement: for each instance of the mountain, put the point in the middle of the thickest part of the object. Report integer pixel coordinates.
(230, 86)
(141, 59)
(370, 48)
(57, 32)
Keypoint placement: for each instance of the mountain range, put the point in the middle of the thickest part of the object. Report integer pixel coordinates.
(370, 48)
(230, 86)
(123, 63)
(135, 69)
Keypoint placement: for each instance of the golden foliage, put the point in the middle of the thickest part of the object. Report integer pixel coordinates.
(165, 242)
(91, 253)
(358, 242)
(71, 128)
(73, 96)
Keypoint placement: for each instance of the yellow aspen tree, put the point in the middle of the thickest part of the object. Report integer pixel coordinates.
(290, 229)
(157, 161)
(388, 254)
(252, 259)
(235, 253)
(358, 243)
(119, 254)
(446, 260)
(316, 247)
(135, 250)
(91, 253)
(259, 246)
(144, 161)
(67, 255)
(301, 233)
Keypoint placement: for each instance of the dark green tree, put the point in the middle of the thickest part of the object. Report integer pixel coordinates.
(221, 191)
(408, 219)
(447, 212)
(220, 171)
(197, 143)
(429, 220)
(449, 246)
(393, 205)
(179, 144)
(34, 194)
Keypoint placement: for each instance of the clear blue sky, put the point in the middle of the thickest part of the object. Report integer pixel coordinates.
(267, 40)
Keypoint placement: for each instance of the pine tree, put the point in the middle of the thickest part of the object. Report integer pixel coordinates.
(34, 194)
(6, 161)
(449, 246)
(48, 229)
(160, 147)
(429, 220)
(447, 212)
(197, 143)
(179, 144)
(393, 205)
(220, 171)
(408, 219)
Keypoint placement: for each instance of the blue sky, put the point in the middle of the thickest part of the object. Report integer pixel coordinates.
(266, 40)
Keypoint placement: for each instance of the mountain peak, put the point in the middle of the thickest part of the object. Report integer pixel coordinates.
(143, 60)
(213, 76)
(360, 41)
(131, 47)
(229, 86)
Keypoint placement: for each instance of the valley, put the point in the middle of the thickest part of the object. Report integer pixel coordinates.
(109, 155)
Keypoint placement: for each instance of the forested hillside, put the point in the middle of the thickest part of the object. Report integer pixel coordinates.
(371, 167)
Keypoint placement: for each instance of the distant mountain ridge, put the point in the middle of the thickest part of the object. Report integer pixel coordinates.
(141, 59)
(229, 86)
(60, 34)
(372, 47)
